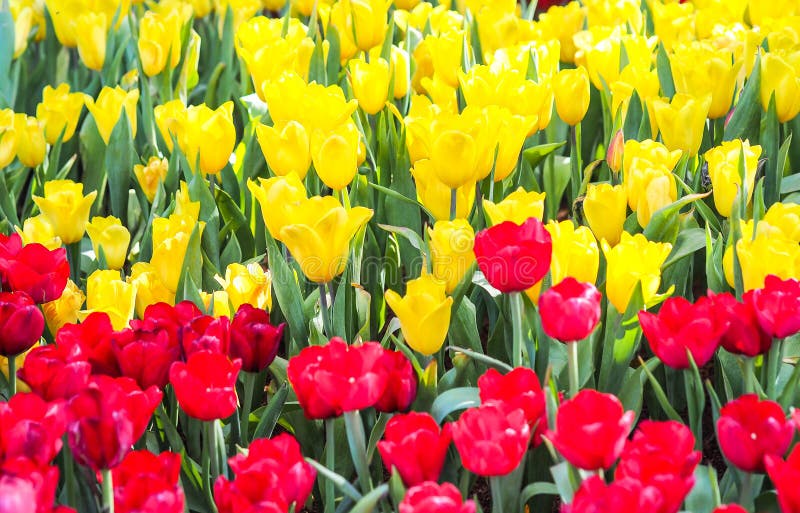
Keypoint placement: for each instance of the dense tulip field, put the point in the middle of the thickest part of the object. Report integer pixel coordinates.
(331, 256)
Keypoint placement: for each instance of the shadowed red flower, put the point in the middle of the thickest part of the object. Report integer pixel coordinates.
(206, 333)
(514, 257)
(205, 385)
(492, 438)
(21, 323)
(785, 475)
(749, 429)
(519, 388)
(595, 496)
(26, 487)
(430, 497)
(31, 428)
(744, 334)
(591, 429)
(401, 383)
(55, 372)
(163, 316)
(145, 355)
(148, 483)
(40, 272)
(731, 508)
(253, 339)
(416, 446)
(777, 306)
(92, 338)
(570, 310)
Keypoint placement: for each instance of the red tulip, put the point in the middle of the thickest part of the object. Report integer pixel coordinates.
(681, 326)
(92, 339)
(591, 429)
(336, 378)
(55, 372)
(253, 339)
(253, 492)
(730, 508)
(749, 429)
(38, 271)
(148, 483)
(205, 385)
(785, 475)
(26, 487)
(10, 245)
(206, 333)
(173, 319)
(570, 310)
(145, 354)
(107, 418)
(519, 388)
(415, 445)
(661, 455)
(777, 306)
(21, 323)
(744, 334)
(401, 383)
(492, 438)
(31, 428)
(430, 497)
(513, 257)
(595, 496)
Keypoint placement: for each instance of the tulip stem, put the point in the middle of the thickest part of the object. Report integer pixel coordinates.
(497, 493)
(330, 463)
(517, 309)
(209, 451)
(358, 448)
(572, 363)
(749, 375)
(453, 198)
(774, 357)
(746, 490)
(74, 259)
(108, 491)
(323, 303)
(249, 382)
(575, 161)
(12, 375)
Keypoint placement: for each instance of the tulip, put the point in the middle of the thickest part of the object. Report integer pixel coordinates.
(650, 189)
(27, 487)
(66, 208)
(170, 118)
(30, 141)
(614, 153)
(32, 428)
(279, 197)
(654, 153)
(777, 306)
(729, 508)
(451, 245)
(145, 353)
(106, 419)
(430, 497)
(37, 229)
(785, 217)
(605, 207)
(744, 334)
(149, 287)
(107, 109)
(159, 40)
(170, 242)
(21, 323)
(205, 385)
(514, 257)
(780, 78)
(8, 138)
(253, 340)
(370, 81)
(517, 207)
(748, 429)
(108, 234)
(151, 175)
(519, 388)
(562, 22)
(107, 292)
(591, 429)
(436, 196)
(144, 481)
(39, 272)
(207, 137)
(770, 252)
(206, 333)
(91, 31)
(682, 121)
(415, 446)
(784, 475)
(247, 285)
(286, 150)
(571, 87)
(699, 68)
(91, 339)
(55, 372)
(319, 236)
(570, 310)
(595, 496)
(335, 155)
(216, 303)
(575, 252)
(401, 383)
(63, 310)
(723, 169)
(424, 313)
(634, 260)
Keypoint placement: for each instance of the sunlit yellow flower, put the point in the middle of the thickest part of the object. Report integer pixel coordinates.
(91, 32)
(451, 245)
(108, 234)
(59, 111)
(160, 41)
(673, 22)
(39, 230)
(151, 175)
(700, 68)
(446, 55)
(634, 260)
(149, 288)
(107, 109)
(575, 252)
(248, 284)
(768, 253)
(64, 310)
(107, 292)
(171, 237)
(217, 303)
(170, 117)
(571, 88)
(723, 169)
(562, 22)
(370, 81)
(286, 149)
(208, 135)
(785, 217)
(605, 208)
(8, 138)
(335, 155)
(424, 313)
(29, 137)
(279, 197)
(66, 208)
(517, 207)
(682, 121)
(781, 77)
(435, 196)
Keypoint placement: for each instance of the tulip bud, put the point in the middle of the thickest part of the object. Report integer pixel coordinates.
(571, 88)
(424, 313)
(247, 285)
(59, 111)
(108, 234)
(107, 109)
(279, 197)
(39, 230)
(91, 30)
(614, 152)
(780, 78)
(30, 142)
(287, 149)
(723, 169)
(370, 81)
(66, 208)
(682, 121)
(517, 207)
(335, 155)
(21, 323)
(106, 292)
(64, 310)
(451, 244)
(159, 39)
(633, 260)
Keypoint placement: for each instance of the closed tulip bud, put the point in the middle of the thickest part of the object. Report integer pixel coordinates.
(653, 189)
(777, 306)
(454, 155)
(519, 388)
(369, 22)
(107, 292)
(39, 230)
(430, 497)
(451, 244)
(650, 151)
(170, 117)
(575, 252)
(723, 169)
(107, 109)
(209, 134)
(400, 72)
(769, 252)
(634, 260)
(571, 87)
(435, 195)
(517, 207)
(66, 208)
(159, 40)
(335, 155)
(8, 138)
(570, 310)
(511, 135)
(59, 111)
(286, 149)
(424, 313)
(700, 68)
(91, 31)
(279, 197)
(370, 81)
(605, 208)
(149, 288)
(781, 78)
(150, 175)
(682, 121)
(247, 285)
(614, 152)
(108, 234)
(319, 236)
(415, 446)
(170, 242)
(21, 323)
(30, 142)
(64, 310)
(446, 52)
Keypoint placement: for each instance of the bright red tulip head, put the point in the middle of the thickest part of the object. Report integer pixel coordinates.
(514, 257)
(731, 508)
(519, 388)
(681, 328)
(145, 355)
(492, 439)
(205, 385)
(595, 496)
(10, 245)
(591, 429)
(26, 487)
(40, 272)
(785, 475)
(92, 340)
(30, 427)
(777, 306)
(148, 483)
(55, 372)
(748, 429)
(744, 334)
(172, 319)
(430, 497)
(206, 333)
(21, 323)
(570, 310)
(416, 446)
(253, 339)
(401, 383)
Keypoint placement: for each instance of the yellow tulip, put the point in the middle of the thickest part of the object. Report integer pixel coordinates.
(651, 190)
(242, 11)
(108, 234)
(446, 55)
(160, 40)
(8, 138)
(760, 12)
(406, 4)
(66, 208)
(613, 13)
(424, 313)
(30, 143)
(517, 207)
(368, 21)
(64, 310)
(785, 217)
(571, 88)
(248, 284)
(673, 23)
(107, 109)
(605, 208)
(273, 5)
(634, 260)
(335, 155)
(170, 241)
(209, 134)
(781, 78)
(723, 169)
(151, 175)
(59, 111)
(451, 245)
(455, 147)
(700, 68)
(441, 93)
(217, 303)
(39, 230)
(370, 81)
(63, 14)
(651, 151)
(319, 236)
(682, 121)
(511, 134)
(279, 197)
(305, 7)
(562, 22)
(436, 196)
(91, 32)
(768, 253)
(107, 292)
(23, 21)
(286, 149)
(184, 206)
(170, 118)
(643, 80)
(149, 288)
(575, 252)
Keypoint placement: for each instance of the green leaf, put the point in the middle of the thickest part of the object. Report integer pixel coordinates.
(534, 489)
(664, 72)
(411, 236)
(769, 140)
(688, 241)
(454, 399)
(487, 360)
(703, 497)
(369, 501)
(6, 55)
(631, 393)
(464, 326)
(536, 154)
(271, 413)
(664, 225)
(192, 270)
(746, 119)
(287, 292)
(120, 156)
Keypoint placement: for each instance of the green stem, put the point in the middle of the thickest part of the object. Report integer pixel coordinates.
(496, 485)
(575, 161)
(209, 451)
(774, 358)
(12, 375)
(572, 362)
(108, 491)
(323, 302)
(746, 491)
(358, 448)
(74, 259)
(330, 462)
(749, 374)
(453, 200)
(517, 309)
(69, 475)
(249, 382)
